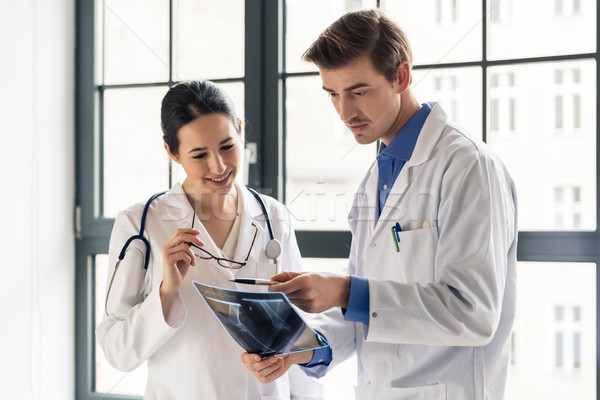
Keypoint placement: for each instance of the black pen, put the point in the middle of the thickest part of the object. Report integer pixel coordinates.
(254, 281)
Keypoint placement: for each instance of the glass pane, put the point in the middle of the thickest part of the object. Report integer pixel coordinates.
(209, 39)
(340, 381)
(324, 164)
(439, 31)
(558, 351)
(299, 34)
(136, 41)
(457, 90)
(135, 161)
(539, 28)
(235, 90)
(108, 379)
(554, 359)
(549, 151)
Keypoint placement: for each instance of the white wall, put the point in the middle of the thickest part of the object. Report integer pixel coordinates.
(37, 197)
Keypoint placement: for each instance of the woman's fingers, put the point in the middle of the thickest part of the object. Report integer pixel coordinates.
(181, 252)
(177, 258)
(265, 369)
(185, 235)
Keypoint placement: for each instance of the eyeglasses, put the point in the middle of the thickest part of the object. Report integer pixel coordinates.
(199, 252)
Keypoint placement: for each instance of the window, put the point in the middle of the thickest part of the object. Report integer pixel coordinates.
(445, 93)
(445, 12)
(129, 61)
(567, 338)
(564, 8)
(501, 10)
(512, 78)
(554, 335)
(567, 207)
(567, 100)
(566, 156)
(503, 103)
(317, 191)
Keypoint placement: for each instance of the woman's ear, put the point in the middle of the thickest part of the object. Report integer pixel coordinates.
(241, 132)
(171, 155)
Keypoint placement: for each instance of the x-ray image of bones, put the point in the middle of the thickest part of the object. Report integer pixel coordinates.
(263, 323)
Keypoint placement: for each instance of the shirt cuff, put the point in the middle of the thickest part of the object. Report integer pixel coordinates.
(318, 365)
(358, 301)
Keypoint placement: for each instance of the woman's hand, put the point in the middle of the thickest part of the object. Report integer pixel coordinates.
(271, 368)
(177, 259)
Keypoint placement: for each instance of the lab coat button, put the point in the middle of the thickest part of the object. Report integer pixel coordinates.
(374, 315)
(374, 245)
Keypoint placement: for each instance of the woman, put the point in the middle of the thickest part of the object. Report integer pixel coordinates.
(159, 317)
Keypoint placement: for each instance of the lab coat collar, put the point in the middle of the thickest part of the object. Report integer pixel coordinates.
(251, 213)
(177, 206)
(429, 136)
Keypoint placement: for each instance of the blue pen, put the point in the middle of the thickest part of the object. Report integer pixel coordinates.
(398, 229)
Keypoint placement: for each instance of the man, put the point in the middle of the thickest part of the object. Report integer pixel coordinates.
(429, 299)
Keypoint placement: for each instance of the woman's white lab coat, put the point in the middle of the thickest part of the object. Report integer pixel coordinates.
(190, 355)
(442, 307)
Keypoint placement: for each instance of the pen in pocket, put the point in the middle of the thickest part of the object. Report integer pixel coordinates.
(395, 238)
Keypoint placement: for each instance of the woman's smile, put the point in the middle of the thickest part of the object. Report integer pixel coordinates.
(222, 180)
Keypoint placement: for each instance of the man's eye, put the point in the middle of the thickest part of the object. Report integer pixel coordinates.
(359, 93)
(199, 156)
(332, 94)
(227, 147)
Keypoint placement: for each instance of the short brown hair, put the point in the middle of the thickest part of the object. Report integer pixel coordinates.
(358, 33)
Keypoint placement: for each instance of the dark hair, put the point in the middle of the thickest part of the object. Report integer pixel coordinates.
(358, 33)
(186, 101)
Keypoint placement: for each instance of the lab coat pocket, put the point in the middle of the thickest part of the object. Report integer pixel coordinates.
(430, 392)
(415, 259)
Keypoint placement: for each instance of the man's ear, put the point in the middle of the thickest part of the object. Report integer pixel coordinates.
(403, 77)
(171, 155)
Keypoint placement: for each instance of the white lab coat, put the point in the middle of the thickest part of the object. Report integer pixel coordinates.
(442, 308)
(190, 355)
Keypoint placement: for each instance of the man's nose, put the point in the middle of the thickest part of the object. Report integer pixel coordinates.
(346, 109)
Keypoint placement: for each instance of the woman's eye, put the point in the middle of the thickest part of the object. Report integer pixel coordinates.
(227, 147)
(199, 156)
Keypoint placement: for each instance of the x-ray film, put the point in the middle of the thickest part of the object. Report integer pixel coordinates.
(265, 323)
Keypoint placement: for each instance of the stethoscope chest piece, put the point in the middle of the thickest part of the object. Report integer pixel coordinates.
(273, 249)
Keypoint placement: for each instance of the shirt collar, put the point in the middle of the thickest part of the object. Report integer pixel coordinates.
(403, 144)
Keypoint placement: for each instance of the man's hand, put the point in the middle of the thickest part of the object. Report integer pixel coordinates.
(313, 292)
(271, 368)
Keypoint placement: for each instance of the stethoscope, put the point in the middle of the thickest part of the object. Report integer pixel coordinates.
(272, 249)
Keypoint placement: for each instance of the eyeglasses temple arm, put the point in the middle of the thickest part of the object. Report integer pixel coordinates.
(194, 216)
